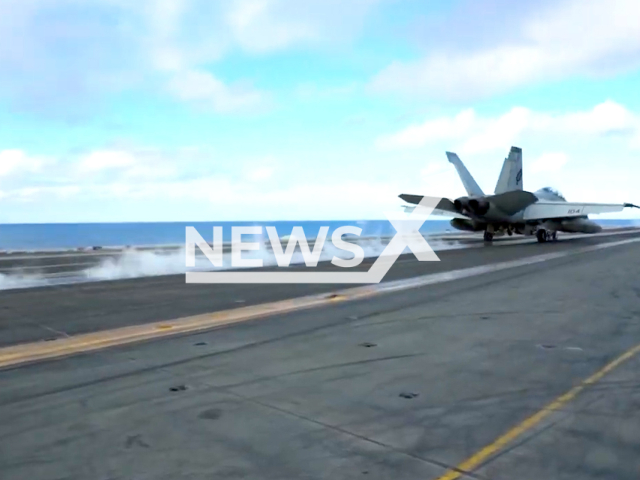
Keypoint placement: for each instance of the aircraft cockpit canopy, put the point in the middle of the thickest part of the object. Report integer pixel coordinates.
(553, 191)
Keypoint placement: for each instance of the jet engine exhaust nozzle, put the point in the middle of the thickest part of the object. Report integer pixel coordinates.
(479, 206)
(461, 204)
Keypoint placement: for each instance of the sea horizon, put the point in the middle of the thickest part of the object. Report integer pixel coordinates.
(56, 236)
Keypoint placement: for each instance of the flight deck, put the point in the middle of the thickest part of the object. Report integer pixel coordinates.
(523, 370)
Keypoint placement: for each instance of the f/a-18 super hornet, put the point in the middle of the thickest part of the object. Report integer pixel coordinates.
(513, 210)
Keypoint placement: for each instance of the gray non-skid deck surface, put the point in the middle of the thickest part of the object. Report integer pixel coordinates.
(298, 397)
(52, 312)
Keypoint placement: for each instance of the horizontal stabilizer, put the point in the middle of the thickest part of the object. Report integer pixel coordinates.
(513, 202)
(437, 213)
(445, 207)
(443, 204)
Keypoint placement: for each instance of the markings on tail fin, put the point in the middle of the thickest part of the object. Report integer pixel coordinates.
(468, 181)
(511, 174)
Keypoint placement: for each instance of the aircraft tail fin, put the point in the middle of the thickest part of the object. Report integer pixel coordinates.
(469, 183)
(511, 175)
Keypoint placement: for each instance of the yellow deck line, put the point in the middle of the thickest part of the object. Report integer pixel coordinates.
(28, 352)
(485, 453)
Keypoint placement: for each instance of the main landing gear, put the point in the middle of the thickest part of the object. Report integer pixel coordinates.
(488, 236)
(546, 236)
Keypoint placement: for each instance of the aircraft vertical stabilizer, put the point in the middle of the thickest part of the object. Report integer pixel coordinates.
(511, 175)
(469, 183)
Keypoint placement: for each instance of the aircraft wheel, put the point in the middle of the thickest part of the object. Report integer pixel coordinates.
(554, 236)
(541, 235)
(488, 236)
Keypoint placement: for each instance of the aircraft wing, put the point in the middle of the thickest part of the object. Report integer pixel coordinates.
(445, 207)
(437, 212)
(542, 210)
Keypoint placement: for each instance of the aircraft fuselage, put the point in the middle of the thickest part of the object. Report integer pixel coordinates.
(512, 209)
(486, 216)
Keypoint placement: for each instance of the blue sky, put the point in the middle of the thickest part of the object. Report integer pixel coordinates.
(186, 110)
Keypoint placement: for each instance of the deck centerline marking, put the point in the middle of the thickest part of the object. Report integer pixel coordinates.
(38, 351)
(484, 454)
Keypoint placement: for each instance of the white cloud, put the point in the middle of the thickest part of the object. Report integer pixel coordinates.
(549, 162)
(10, 160)
(60, 54)
(16, 161)
(257, 191)
(473, 133)
(439, 179)
(572, 37)
(313, 91)
(107, 159)
(605, 119)
(260, 174)
(201, 87)
(438, 129)
(183, 34)
(260, 170)
(103, 184)
(492, 134)
(431, 170)
(67, 191)
(257, 28)
(260, 26)
(63, 56)
(27, 193)
(131, 164)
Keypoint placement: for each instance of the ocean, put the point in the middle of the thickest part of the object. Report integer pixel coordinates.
(37, 237)
(44, 237)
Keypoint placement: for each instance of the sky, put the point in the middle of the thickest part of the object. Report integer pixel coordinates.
(205, 110)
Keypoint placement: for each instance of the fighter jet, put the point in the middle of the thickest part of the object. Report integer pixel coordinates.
(511, 209)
